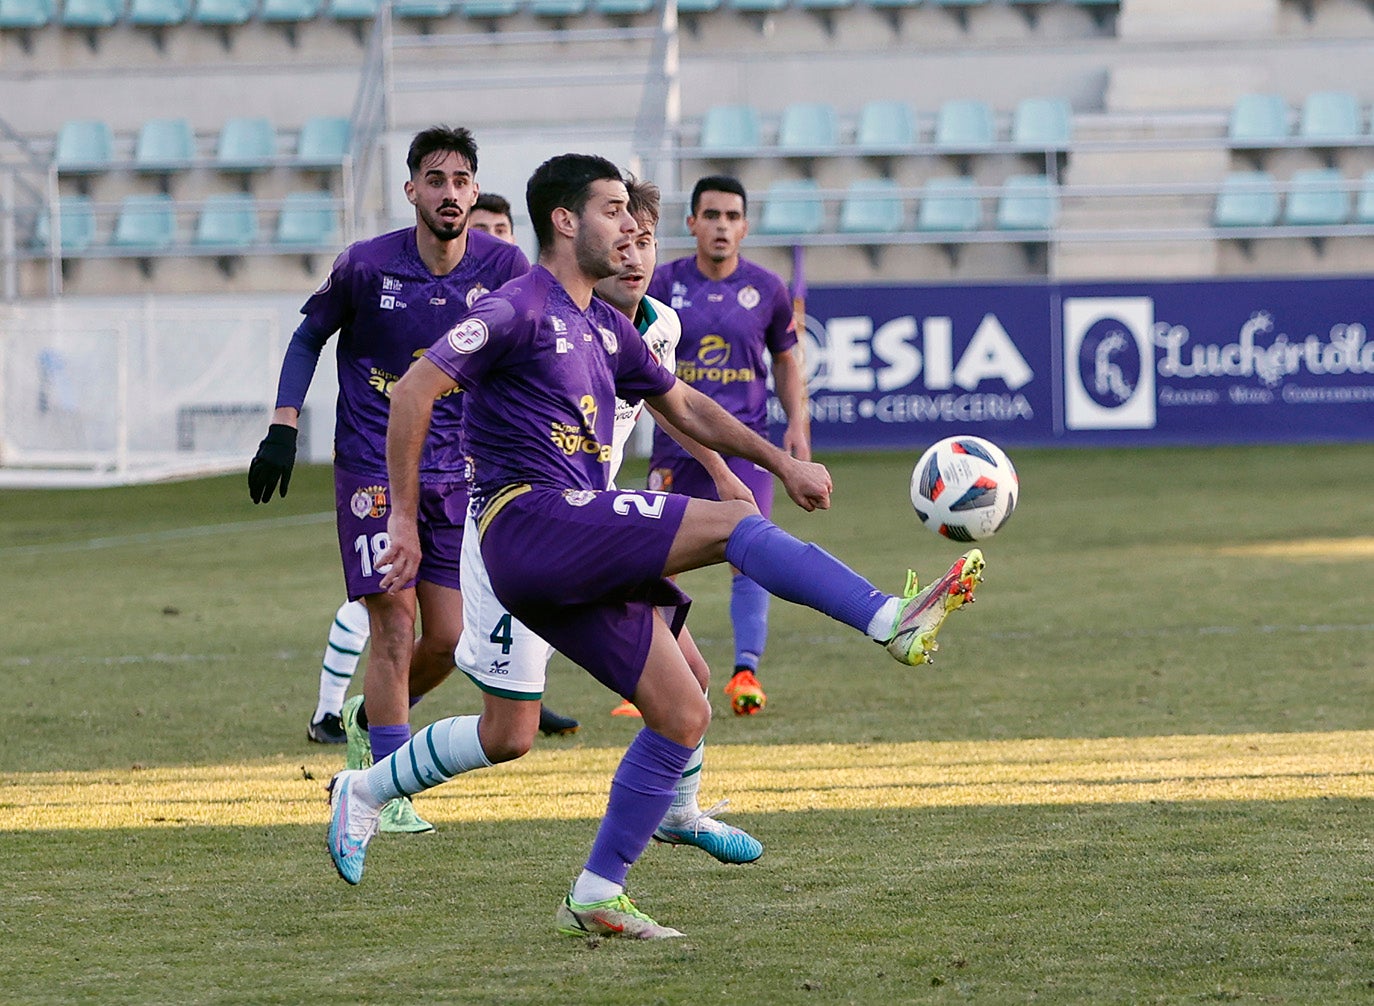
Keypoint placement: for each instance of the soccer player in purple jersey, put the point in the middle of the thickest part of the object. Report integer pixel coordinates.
(585, 567)
(348, 633)
(736, 315)
(387, 297)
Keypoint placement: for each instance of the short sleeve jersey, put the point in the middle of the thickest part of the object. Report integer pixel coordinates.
(541, 377)
(727, 326)
(658, 325)
(388, 308)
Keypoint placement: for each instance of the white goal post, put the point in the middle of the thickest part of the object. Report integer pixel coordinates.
(105, 395)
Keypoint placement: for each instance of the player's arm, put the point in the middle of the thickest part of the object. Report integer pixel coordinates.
(791, 388)
(276, 455)
(412, 404)
(702, 419)
(728, 484)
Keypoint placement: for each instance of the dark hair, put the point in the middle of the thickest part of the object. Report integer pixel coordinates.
(718, 183)
(644, 198)
(457, 140)
(493, 203)
(563, 182)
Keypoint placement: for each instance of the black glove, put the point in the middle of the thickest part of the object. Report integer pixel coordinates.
(275, 458)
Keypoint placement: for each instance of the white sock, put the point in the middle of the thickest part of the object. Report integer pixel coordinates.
(684, 803)
(347, 637)
(590, 888)
(435, 755)
(881, 626)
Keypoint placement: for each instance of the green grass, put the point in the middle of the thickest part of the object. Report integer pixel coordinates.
(179, 625)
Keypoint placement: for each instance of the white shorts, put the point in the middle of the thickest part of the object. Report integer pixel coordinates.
(496, 651)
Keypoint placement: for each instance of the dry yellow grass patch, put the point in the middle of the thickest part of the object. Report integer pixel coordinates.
(1305, 548)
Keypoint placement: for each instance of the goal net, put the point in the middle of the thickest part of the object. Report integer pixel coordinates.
(116, 395)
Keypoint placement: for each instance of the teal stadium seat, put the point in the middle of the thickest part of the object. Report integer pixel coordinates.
(165, 145)
(965, 124)
(698, 6)
(1042, 124)
(558, 9)
(731, 128)
(480, 9)
(885, 126)
(78, 226)
(323, 142)
(792, 206)
(1330, 117)
(84, 146)
(421, 10)
(1364, 202)
(1028, 203)
(289, 12)
(223, 13)
(622, 8)
(1247, 199)
(352, 10)
(145, 223)
(228, 220)
(92, 13)
(758, 6)
(1258, 120)
(308, 220)
(822, 6)
(25, 14)
(158, 13)
(1317, 197)
(246, 144)
(871, 206)
(808, 126)
(949, 204)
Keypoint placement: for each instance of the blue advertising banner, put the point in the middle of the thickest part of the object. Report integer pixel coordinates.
(1205, 362)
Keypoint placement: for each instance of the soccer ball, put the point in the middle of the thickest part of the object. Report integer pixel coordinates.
(964, 488)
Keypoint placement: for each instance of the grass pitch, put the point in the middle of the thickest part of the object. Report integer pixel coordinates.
(1141, 770)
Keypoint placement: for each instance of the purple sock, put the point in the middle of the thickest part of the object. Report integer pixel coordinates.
(641, 791)
(801, 572)
(386, 739)
(749, 617)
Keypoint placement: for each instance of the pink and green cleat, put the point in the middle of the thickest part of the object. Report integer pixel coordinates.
(922, 613)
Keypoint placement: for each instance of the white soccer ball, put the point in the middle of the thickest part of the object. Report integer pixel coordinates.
(964, 488)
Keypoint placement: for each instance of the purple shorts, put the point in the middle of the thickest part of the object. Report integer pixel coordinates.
(583, 569)
(362, 506)
(686, 476)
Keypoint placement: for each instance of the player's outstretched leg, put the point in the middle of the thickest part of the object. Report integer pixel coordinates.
(353, 819)
(923, 612)
(398, 816)
(723, 841)
(616, 916)
(348, 634)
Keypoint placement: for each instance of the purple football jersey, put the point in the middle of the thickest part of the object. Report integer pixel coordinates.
(726, 327)
(388, 308)
(541, 377)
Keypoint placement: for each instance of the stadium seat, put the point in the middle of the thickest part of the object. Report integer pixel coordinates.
(323, 142)
(557, 9)
(165, 145)
(228, 220)
(622, 8)
(1364, 201)
(1317, 197)
(1247, 199)
(78, 226)
(792, 206)
(698, 6)
(158, 13)
(352, 10)
(1330, 117)
(1258, 120)
(246, 144)
(1042, 124)
(91, 13)
(949, 204)
(223, 13)
(308, 220)
(421, 10)
(84, 146)
(885, 125)
(808, 126)
(487, 8)
(289, 12)
(25, 14)
(730, 127)
(871, 206)
(1028, 203)
(145, 223)
(757, 6)
(964, 124)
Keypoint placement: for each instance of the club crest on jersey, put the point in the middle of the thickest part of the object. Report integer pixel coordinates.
(609, 340)
(579, 497)
(748, 298)
(369, 501)
(468, 336)
(474, 293)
